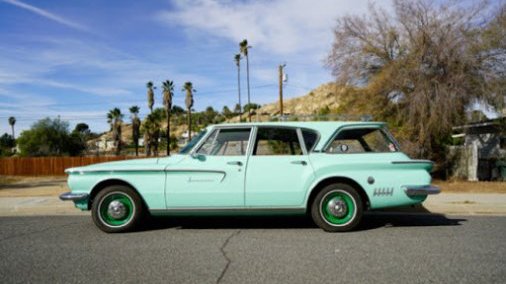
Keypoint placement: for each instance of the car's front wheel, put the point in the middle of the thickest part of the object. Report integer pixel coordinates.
(117, 208)
(337, 208)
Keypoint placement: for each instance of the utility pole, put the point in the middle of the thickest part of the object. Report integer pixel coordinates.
(281, 89)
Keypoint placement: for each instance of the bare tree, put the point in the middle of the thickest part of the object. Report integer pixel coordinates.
(423, 66)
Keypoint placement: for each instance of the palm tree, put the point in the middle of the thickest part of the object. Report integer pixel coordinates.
(12, 121)
(244, 48)
(151, 95)
(237, 59)
(115, 118)
(188, 88)
(151, 128)
(168, 92)
(136, 125)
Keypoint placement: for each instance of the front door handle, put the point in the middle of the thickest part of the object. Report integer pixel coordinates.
(238, 163)
(299, 162)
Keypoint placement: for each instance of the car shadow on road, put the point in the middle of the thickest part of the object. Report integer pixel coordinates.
(374, 220)
(370, 221)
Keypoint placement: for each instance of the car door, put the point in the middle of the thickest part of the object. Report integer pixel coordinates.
(278, 172)
(212, 176)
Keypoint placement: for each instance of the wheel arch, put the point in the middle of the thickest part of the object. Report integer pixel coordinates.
(337, 179)
(109, 182)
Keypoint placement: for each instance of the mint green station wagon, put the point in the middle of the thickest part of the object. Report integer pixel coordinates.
(333, 171)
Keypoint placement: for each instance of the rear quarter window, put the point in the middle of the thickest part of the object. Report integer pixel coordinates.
(361, 140)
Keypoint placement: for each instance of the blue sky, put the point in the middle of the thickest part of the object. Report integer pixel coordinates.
(80, 58)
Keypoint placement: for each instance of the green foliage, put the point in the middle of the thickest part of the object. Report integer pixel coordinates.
(50, 137)
(173, 142)
(7, 143)
(324, 110)
(82, 128)
(251, 106)
(227, 112)
(237, 108)
(115, 119)
(177, 110)
(151, 128)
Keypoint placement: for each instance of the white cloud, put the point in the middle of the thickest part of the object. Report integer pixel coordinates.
(281, 26)
(47, 15)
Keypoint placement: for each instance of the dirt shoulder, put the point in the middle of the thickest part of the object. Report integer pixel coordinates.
(14, 186)
(471, 187)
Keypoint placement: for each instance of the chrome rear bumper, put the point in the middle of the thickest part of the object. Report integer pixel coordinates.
(418, 190)
(73, 196)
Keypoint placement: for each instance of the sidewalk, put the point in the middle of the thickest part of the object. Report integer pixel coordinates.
(444, 203)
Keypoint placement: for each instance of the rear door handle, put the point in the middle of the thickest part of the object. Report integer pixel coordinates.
(299, 162)
(238, 163)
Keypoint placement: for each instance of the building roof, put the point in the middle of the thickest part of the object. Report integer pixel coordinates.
(495, 125)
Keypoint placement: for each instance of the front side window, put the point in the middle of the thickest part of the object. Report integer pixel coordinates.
(362, 140)
(226, 142)
(277, 141)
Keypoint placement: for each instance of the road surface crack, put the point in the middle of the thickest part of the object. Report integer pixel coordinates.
(224, 253)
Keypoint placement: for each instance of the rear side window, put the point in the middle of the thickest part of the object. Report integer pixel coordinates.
(361, 140)
(277, 141)
(310, 138)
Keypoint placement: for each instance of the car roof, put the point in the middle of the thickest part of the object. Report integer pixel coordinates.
(316, 125)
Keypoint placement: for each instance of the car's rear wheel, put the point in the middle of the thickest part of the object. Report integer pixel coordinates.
(117, 208)
(337, 208)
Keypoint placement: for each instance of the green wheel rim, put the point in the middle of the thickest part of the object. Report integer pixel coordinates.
(117, 198)
(342, 197)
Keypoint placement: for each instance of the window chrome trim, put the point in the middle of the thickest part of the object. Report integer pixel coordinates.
(251, 142)
(301, 142)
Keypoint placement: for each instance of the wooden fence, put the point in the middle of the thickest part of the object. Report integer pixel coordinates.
(49, 166)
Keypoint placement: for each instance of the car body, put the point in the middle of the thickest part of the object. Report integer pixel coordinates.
(332, 170)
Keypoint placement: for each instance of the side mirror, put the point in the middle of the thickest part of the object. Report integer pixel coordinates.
(199, 157)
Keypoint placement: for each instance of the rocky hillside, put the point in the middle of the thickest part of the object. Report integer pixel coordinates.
(326, 95)
(319, 98)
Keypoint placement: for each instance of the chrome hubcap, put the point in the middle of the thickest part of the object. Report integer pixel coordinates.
(116, 209)
(337, 207)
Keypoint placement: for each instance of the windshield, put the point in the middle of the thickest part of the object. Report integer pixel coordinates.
(186, 149)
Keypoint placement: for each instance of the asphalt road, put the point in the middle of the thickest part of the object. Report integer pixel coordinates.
(387, 248)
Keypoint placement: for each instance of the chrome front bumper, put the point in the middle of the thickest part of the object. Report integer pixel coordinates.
(73, 196)
(421, 190)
